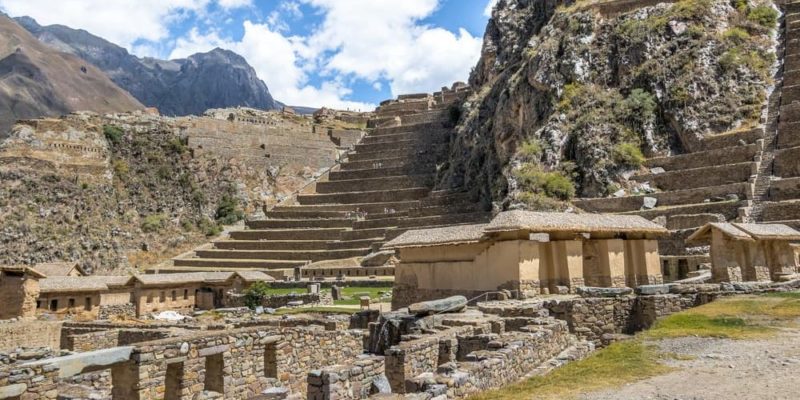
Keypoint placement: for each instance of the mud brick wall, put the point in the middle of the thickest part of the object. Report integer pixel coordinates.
(30, 334)
(345, 382)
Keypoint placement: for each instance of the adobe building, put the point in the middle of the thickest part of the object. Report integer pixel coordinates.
(19, 288)
(527, 253)
(749, 252)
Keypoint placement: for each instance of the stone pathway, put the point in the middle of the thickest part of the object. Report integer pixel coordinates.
(722, 369)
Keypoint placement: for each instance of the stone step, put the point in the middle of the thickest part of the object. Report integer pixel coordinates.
(289, 244)
(443, 220)
(364, 234)
(786, 162)
(728, 155)
(393, 162)
(729, 209)
(784, 189)
(460, 207)
(288, 213)
(779, 211)
(730, 139)
(413, 169)
(403, 145)
(393, 130)
(300, 223)
(288, 234)
(381, 196)
(672, 198)
(288, 255)
(369, 208)
(372, 184)
(788, 135)
(377, 223)
(429, 151)
(446, 197)
(211, 264)
(700, 177)
(432, 135)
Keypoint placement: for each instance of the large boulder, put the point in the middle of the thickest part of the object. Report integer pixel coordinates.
(452, 304)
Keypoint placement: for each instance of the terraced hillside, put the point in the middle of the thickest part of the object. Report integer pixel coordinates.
(383, 189)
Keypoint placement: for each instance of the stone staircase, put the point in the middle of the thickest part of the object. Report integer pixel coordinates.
(383, 189)
(780, 200)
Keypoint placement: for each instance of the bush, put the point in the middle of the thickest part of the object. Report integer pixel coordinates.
(121, 168)
(228, 212)
(113, 133)
(763, 15)
(255, 294)
(177, 146)
(736, 35)
(628, 154)
(153, 222)
(530, 150)
(551, 184)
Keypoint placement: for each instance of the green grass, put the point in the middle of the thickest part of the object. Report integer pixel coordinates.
(741, 317)
(613, 366)
(350, 294)
(315, 310)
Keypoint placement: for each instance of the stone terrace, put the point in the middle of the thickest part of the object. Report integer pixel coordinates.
(383, 189)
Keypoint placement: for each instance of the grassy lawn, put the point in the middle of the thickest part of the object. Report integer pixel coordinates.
(742, 317)
(350, 294)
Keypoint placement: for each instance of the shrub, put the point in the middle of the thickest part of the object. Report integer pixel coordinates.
(628, 154)
(736, 35)
(763, 15)
(121, 168)
(639, 107)
(153, 222)
(255, 294)
(530, 150)
(228, 212)
(113, 133)
(177, 145)
(551, 184)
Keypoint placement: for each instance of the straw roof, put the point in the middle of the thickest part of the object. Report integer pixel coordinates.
(551, 222)
(770, 231)
(458, 234)
(81, 283)
(58, 268)
(746, 232)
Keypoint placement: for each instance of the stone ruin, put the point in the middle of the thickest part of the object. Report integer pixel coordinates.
(437, 349)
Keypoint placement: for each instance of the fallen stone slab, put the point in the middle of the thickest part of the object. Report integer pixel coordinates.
(649, 290)
(452, 304)
(86, 362)
(586, 291)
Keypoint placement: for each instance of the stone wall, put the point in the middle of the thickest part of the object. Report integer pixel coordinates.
(348, 381)
(278, 301)
(34, 383)
(18, 293)
(117, 310)
(30, 334)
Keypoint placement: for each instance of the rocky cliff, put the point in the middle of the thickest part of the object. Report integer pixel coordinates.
(572, 97)
(217, 79)
(36, 80)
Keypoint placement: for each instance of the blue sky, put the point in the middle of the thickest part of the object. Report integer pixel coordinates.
(337, 53)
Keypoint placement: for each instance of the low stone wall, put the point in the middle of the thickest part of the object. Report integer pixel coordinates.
(30, 334)
(35, 383)
(320, 299)
(117, 310)
(348, 381)
(89, 339)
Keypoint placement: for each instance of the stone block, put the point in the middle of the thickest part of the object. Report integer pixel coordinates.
(585, 291)
(452, 304)
(648, 290)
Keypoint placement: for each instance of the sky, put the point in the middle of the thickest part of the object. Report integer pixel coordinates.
(348, 54)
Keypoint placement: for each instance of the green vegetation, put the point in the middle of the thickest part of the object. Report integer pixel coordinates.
(255, 294)
(113, 133)
(736, 35)
(153, 222)
(628, 154)
(316, 310)
(553, 184)
(121, 168)
(613, 366)
(177, 145)
(530, 150)
(350, 294)
(228, 211)
(763, 15)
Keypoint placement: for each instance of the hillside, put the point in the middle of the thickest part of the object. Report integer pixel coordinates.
(36, 80)
(216, 79)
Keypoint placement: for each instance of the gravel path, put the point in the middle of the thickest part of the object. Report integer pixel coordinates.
(722, 369)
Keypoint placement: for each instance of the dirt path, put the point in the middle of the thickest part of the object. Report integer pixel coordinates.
(721, 369)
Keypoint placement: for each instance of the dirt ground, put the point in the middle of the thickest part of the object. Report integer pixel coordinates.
(708, 368)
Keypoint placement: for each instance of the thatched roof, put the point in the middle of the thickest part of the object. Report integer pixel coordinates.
(62, 284)
(552, 222)
(59, 268)
(745, 232)
(770, 231)
(458, 234)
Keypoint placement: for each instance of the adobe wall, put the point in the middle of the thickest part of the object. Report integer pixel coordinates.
(18, 295)
(30, 334)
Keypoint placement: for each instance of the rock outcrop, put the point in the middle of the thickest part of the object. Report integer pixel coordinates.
(190, 86)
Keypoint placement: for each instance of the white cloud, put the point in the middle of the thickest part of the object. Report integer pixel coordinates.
(120, 21)
(489, 7)
(230, 4)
